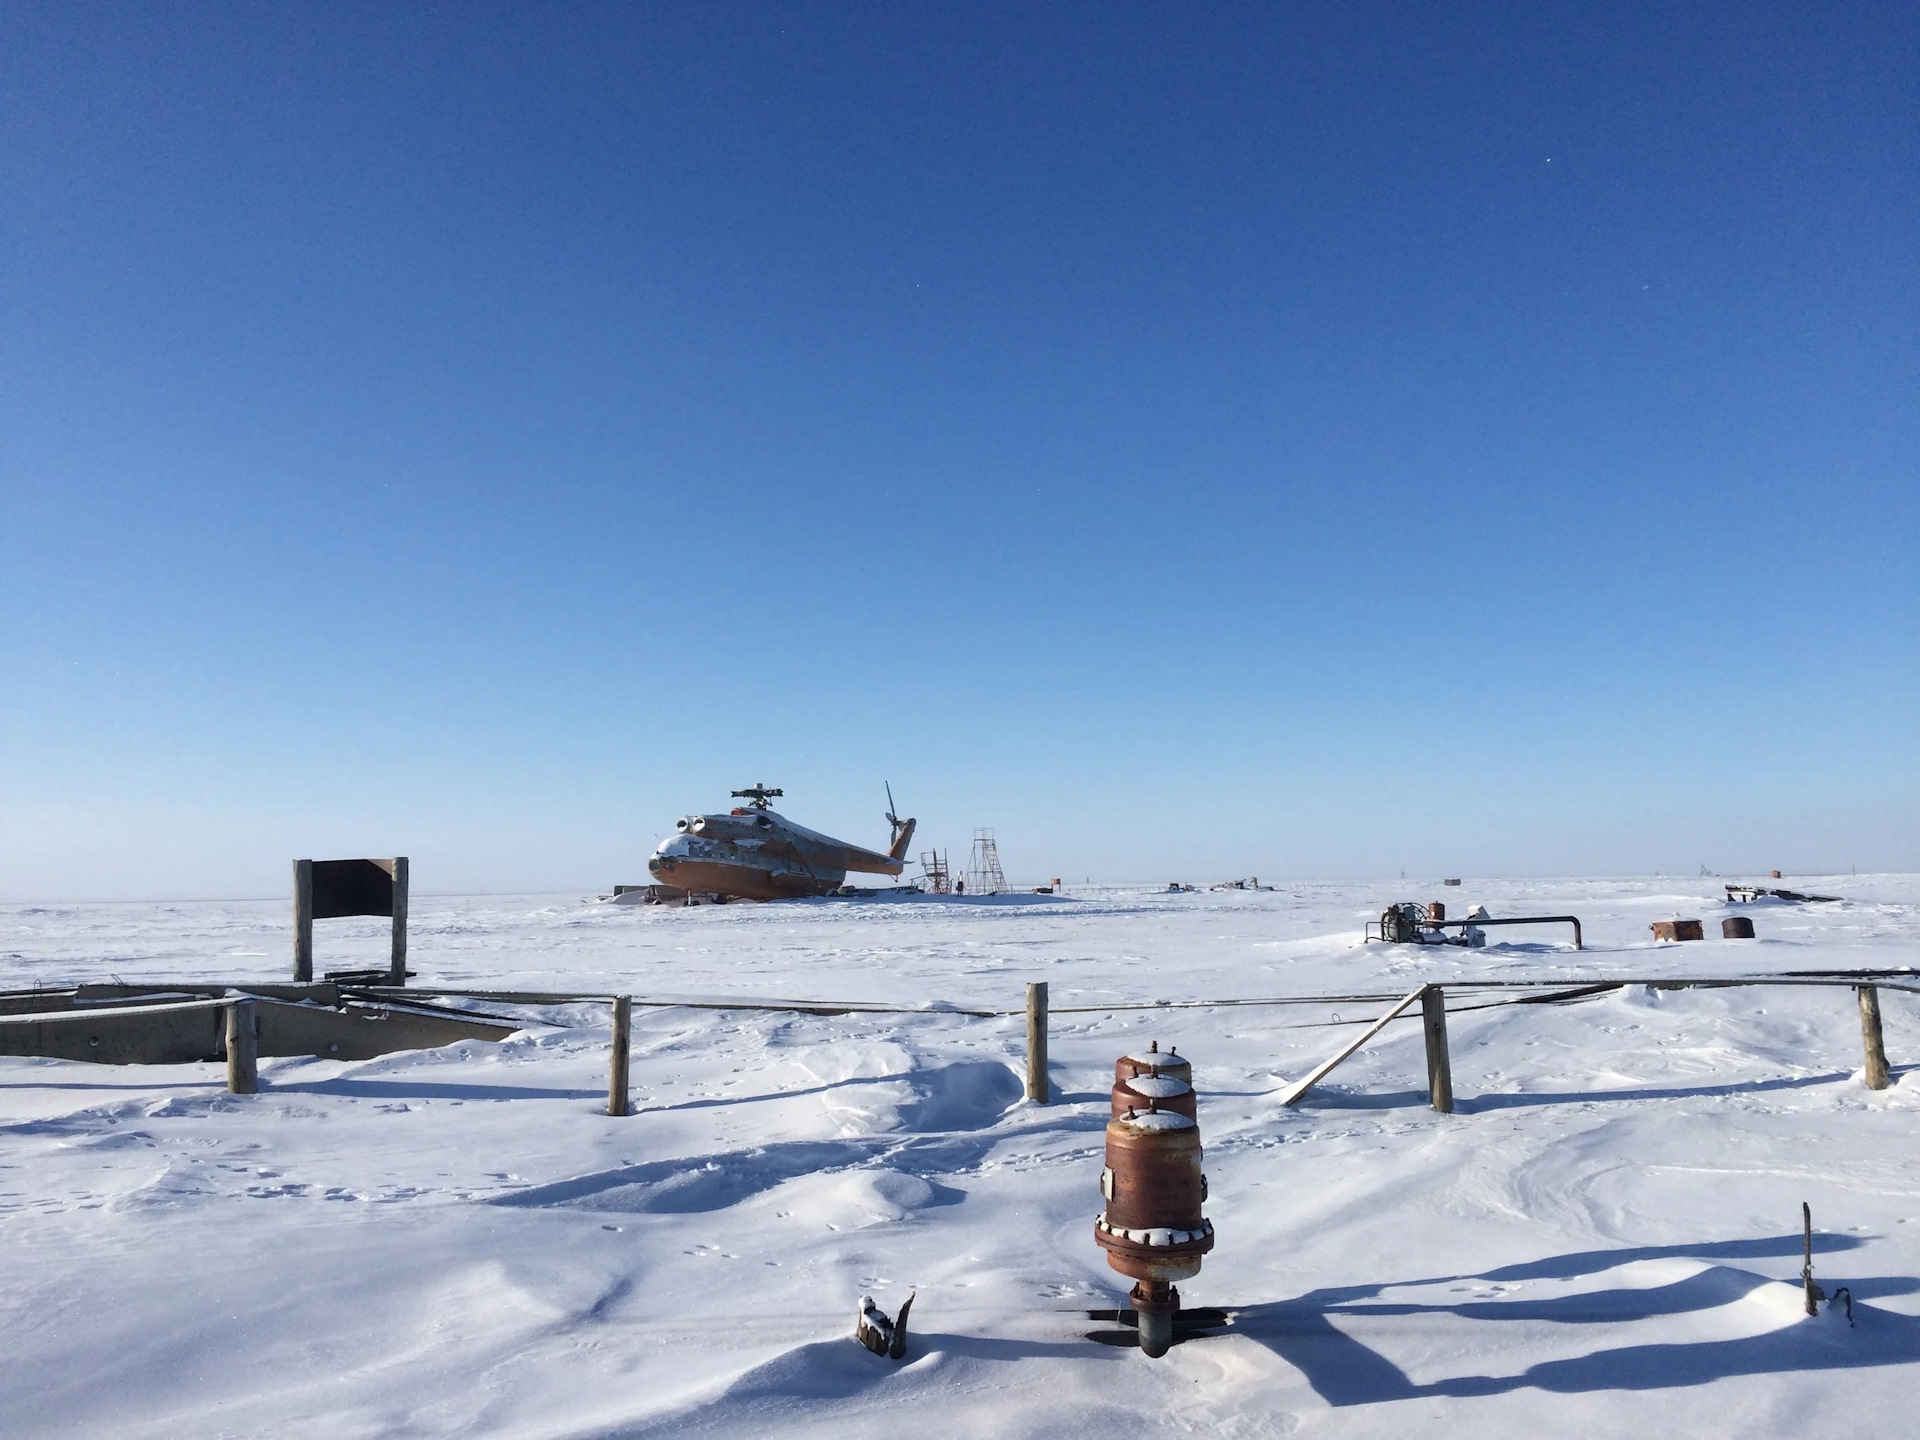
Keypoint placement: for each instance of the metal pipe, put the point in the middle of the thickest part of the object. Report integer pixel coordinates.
(1573, 920)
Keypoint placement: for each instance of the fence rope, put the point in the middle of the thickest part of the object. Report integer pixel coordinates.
(1568, 990)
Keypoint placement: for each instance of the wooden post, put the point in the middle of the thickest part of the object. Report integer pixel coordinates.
(1433, 1016)
(1870, 1033)
(398, 974)
(243, 1050)
(1037, 1088)
(302, 922)
(618, 1102)
(1814, 1293)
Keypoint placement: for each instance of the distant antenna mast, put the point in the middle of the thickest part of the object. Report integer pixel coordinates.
(984, 876)
(757, 795)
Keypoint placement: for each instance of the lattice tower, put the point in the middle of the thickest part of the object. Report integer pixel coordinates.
(935, 878)
(984, 876)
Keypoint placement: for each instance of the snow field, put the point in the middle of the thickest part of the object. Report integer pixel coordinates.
(458, 1241)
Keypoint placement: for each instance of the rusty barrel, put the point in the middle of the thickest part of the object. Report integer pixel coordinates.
(1736, 927)
(1154, 1092)
(1436, 911)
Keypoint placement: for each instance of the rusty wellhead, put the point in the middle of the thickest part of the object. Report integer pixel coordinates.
(1152, 1228)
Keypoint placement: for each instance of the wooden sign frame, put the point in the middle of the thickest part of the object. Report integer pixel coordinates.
(330, 889)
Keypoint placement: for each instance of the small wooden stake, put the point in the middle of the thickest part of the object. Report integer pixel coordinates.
(302, 922)
(1433, 1016)
(1870, 1033)
(243, 1050)
(1037, 1042)
(617, 1099)
(397, 974)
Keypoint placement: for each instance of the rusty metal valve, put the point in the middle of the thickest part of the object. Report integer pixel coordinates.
(1152, 1228)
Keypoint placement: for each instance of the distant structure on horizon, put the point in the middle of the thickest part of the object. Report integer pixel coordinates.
(935, 878)
(984, 876)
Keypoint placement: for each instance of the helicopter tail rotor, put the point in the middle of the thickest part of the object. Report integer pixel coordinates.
(902, 830)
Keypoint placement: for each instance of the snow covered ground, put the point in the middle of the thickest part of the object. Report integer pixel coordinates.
(1604, 1239)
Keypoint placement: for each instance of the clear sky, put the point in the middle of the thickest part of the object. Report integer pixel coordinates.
(1197, 440)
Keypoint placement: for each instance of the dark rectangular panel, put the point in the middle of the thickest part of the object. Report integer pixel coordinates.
(351, 887)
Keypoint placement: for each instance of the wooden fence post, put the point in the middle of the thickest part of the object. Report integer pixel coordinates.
(397, 975)
(1037, 1088)
(1433, 1017)
(302, 922)
(618, 1102)
(243, 1050)
(1876, 1046)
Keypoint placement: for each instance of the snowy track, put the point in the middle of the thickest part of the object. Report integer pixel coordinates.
(454, 1242)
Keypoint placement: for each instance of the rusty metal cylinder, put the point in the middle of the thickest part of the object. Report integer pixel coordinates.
(1736, 927)
(1154, 1092)
(1153, 1061)
(1153, 1228)
(1436, 911)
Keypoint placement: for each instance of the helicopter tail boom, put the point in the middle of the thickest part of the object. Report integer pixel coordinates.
(902, 837)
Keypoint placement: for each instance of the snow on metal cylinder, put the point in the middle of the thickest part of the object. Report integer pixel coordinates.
(1152, 1228)
(1154, 1092)
(1153, 1062)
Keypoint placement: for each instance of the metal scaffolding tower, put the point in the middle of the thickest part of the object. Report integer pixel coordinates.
(934, 876)
(984, 876)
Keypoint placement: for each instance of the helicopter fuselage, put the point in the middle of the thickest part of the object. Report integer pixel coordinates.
(756, 854)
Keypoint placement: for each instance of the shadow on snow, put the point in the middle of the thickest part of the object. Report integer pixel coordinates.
(1332, 1098)
(951, 1126)
(1344, 1371)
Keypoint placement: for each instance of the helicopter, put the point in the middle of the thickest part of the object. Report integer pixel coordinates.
(754, 853)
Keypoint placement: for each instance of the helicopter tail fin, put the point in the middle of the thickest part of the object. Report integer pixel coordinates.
(902, 837)
(902, 831)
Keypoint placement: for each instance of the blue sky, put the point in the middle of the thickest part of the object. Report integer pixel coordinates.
(1196, 440)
